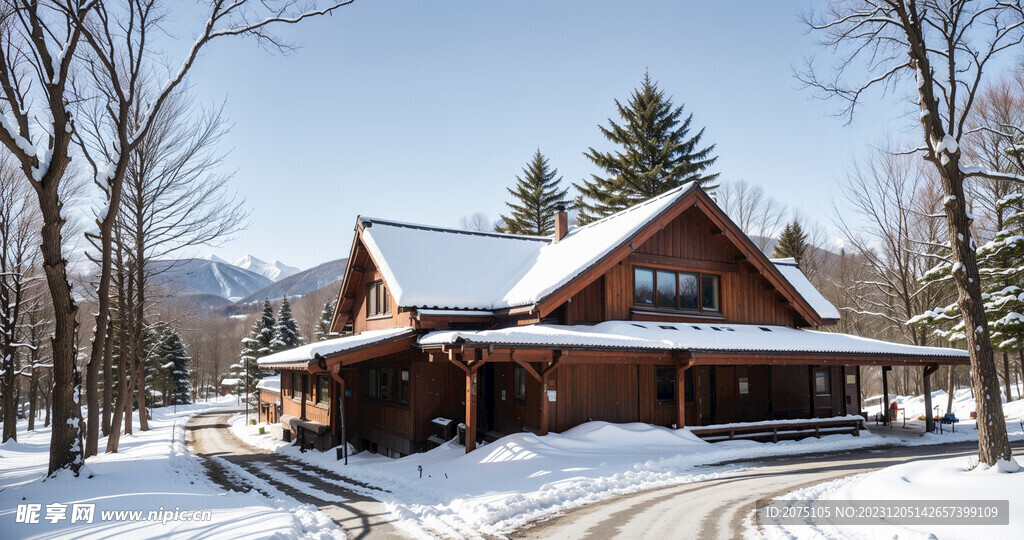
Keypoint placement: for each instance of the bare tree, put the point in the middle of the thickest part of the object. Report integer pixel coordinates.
(40, 44)
(477, 221)
(946, 49)
(18, 229)
(757, 214)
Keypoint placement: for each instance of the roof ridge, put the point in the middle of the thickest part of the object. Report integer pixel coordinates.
(436, 228)
(672, 192)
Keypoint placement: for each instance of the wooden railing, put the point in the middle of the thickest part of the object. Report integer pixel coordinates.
(780, 430)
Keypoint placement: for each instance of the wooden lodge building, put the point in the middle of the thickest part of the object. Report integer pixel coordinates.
(664, 313)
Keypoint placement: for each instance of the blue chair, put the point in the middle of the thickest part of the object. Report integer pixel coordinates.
(950, 419)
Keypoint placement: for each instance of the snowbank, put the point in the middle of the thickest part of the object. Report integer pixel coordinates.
(152, 471)
(917, 480)
(524, 477)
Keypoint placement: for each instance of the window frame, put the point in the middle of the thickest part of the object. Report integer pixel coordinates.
(388, 384)
(827, 377)
(715, 278)
(378, 300)
(671, 380)
(323, 393)
(519, 383)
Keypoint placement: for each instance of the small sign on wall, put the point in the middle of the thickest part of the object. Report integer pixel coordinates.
(744, 385)
(851, 379)
(552, 395)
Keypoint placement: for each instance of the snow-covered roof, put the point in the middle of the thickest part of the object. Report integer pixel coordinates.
(454, 313)
(486, 271)
(636, 335)
(229, 382)
(799, 281)
(270, 384)
(329, 347)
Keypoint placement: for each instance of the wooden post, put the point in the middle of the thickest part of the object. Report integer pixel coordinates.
(681, 368)
(471, 408)
(305, 382)
(885, 394)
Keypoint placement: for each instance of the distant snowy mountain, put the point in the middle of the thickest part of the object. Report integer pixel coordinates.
(213, 258)
(303, 283)
(206, 277)
(275, 271)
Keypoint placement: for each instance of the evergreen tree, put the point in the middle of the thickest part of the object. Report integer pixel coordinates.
(286, 331)
(535, 198)
(171, 378)
(255, 346)
(656, 154)
(323, 326)
(792, 242)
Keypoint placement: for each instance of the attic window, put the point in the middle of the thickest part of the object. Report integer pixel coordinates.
(676, 291)
(667, 327)
(765, 329)
(378, 300)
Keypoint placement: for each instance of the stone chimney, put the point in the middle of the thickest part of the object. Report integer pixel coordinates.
(561, 222)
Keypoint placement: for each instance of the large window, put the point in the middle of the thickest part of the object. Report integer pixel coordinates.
(323, 391)
(378, 300)
(520, 383)
(683, 291)
(297, 385)
(388, 384)
(821, 382)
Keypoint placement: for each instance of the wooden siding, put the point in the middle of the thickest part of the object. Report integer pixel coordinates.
(688, 243)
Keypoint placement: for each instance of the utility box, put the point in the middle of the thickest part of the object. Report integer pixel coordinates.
(441, 431)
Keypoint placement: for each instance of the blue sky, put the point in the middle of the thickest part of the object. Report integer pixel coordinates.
(426, 111)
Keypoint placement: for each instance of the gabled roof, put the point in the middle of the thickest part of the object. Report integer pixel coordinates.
(661, 336)
(495, 271)
(441, 268)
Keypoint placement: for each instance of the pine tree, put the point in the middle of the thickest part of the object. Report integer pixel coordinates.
(323, 326)
(792, 242)
(171, 378)
(656, 154)
(255, 346)
(535, 198)
(286, 331)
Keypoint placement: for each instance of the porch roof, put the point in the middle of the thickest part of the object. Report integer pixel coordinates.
(301, 357)
(695, 338)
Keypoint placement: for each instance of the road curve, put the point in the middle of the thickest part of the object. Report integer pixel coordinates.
(717, 508)
(238, 466)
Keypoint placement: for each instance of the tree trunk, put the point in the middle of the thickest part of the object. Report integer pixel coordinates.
(66, 429)
(33, 392)
(950, 389)
(108, 381)
(10, 404)
(1007, 374)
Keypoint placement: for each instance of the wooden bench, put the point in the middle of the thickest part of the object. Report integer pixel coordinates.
(781, 430)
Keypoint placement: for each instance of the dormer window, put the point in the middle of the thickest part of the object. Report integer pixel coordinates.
(378, 300)
(678, 291)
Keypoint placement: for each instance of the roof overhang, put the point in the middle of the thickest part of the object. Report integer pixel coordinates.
(320, 356)
(665, 343)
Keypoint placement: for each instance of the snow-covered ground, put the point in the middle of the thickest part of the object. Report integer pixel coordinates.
(963, 404)
(529, 477)
(941, 479)
(152, 472)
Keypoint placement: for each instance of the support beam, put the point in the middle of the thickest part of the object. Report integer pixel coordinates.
(340, 412)
(929, 418)
(305, 384)
(885, 394)
(681, 367)
(471, 405)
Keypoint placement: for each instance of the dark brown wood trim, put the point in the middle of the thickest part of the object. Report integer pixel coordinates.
(682, 264)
